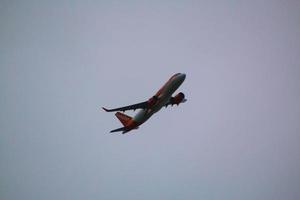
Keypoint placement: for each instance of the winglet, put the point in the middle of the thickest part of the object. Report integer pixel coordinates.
(105, 109)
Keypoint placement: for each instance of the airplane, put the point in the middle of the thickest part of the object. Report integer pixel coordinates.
(162, 98)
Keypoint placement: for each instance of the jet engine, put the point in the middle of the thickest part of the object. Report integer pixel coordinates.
(177, 99)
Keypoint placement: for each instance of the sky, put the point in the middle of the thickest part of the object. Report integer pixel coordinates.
(237, 136)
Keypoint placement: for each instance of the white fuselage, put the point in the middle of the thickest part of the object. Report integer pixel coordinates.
(164, 97)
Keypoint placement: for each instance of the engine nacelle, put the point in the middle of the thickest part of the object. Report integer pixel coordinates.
(177, 99)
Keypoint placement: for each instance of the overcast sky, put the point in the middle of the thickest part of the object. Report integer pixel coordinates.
(237, 137)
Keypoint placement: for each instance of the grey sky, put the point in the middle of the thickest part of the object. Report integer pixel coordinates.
(237, 137)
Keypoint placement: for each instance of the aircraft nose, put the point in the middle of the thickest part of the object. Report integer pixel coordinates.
(182, 76)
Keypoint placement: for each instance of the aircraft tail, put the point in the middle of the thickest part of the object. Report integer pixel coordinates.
(124, 119)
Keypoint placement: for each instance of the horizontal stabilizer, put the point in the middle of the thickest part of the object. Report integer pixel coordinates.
(118, 129)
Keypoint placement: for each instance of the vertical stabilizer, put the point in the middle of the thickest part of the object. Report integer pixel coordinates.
(124, 119)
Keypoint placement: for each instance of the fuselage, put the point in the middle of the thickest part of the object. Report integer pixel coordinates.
(164, 95)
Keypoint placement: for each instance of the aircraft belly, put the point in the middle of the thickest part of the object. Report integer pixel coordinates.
(145, 114)
(142, 116)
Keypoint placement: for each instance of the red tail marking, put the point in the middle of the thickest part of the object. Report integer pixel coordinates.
(124, 119)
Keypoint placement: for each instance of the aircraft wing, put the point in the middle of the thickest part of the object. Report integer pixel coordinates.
(142, 105)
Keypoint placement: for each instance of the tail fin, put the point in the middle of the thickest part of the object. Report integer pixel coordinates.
(124, 119)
